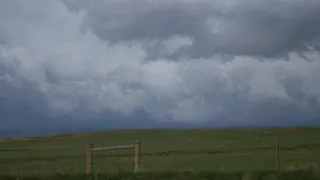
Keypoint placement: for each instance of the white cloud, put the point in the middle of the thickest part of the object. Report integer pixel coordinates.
(72, 67)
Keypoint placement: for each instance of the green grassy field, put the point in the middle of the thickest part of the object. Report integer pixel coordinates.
(216, 150)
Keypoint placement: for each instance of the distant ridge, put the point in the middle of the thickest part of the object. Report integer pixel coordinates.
(104, 126)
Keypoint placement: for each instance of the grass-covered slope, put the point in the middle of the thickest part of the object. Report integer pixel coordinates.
(214, 150)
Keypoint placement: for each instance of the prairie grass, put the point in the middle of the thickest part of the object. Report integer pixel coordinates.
(289, 175)
(168, 154)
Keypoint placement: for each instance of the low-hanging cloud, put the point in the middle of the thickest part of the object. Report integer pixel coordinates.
(240, 62)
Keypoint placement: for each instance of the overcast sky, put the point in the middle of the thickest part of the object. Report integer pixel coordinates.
(186, 61)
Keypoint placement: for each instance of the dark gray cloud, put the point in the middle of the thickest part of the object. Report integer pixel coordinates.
(181, 61)
(266, 28)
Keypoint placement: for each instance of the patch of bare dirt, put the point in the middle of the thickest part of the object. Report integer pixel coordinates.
(21, 139)
(204, 131)
(117, 132)
(14, 139)
(66, 136)
(60, 137)
(289, 129)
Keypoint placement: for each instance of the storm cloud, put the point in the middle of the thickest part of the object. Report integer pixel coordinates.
(205, 61)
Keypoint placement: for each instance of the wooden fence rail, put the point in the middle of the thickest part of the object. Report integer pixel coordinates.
(137, 154)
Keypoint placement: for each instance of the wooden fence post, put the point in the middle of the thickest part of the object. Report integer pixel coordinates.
(137, 155)
(89, 163)
(277, 155)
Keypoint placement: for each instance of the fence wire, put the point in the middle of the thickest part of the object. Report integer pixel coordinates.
(242, 150)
